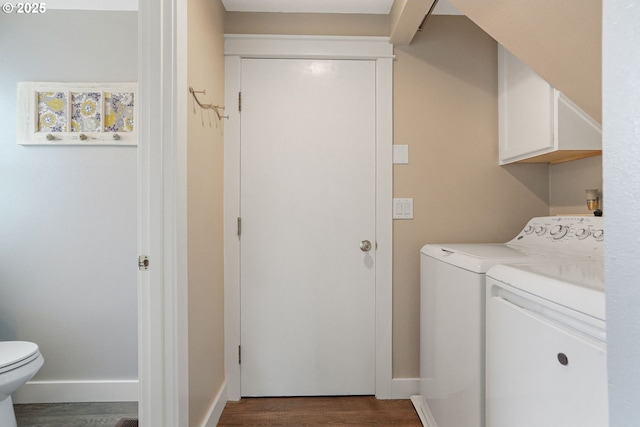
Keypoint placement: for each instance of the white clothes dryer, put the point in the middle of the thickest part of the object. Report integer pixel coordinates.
(546, 346)
(452, 310)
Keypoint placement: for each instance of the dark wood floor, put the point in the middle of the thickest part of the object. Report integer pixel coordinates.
(316, 411)
(74, 414)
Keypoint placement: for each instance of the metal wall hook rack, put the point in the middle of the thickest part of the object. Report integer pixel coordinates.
(216, 108)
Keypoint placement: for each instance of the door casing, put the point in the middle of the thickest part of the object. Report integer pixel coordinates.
(377, 49)
(163, 368)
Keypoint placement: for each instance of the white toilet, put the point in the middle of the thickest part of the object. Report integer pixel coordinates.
(19, 362)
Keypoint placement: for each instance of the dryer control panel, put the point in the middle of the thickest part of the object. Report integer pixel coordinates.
(573, 234)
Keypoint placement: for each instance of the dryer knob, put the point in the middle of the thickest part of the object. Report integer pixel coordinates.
(559, 231)
(582, 234)
(540, 230)
(598, 235)
(528, 229)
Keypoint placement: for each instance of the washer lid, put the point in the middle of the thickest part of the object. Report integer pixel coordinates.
(576, 285)
(13, 352)
(480, 257)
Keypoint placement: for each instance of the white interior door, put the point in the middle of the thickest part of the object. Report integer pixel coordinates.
(307, 202)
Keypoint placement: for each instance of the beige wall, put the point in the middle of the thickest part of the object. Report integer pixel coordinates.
(307, 24)
(445, 102)
(560, 39)
(568, 182)
(446, 110)
(205, 184)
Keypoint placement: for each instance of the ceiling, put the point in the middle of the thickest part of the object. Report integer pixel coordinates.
(378, 7)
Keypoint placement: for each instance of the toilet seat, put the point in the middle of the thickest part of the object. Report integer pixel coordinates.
(14, 354)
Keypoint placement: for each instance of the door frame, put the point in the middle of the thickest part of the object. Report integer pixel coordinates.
(163, 370)
(377, 49)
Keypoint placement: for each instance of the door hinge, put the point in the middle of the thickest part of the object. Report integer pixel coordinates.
(239, 355)
(143, 262)
(239, 226)
(239, 101)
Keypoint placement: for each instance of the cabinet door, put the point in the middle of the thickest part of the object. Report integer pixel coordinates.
(525, 110)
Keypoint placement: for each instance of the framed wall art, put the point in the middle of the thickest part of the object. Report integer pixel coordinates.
(77, 113)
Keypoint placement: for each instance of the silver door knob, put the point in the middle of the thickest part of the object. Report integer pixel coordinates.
(365, 246)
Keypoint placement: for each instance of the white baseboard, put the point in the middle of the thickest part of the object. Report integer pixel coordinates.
(77, 391)
(404, 388)
(423, 411)
(215, 411)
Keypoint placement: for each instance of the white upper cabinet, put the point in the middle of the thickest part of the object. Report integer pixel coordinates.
(538, 124)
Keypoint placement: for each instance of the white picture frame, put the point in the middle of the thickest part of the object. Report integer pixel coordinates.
(86, 114)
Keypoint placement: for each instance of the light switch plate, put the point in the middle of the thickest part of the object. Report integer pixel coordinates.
(403, 208)
(401, 154)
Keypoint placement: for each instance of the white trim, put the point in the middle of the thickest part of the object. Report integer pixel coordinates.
(231, 239)
(373, 48)
(162, 304)
(317, 47)
(150, 356)
(215, 411)
(180, 96)
(404, 388)
(384, 227)
(421, 407)
(77, 391)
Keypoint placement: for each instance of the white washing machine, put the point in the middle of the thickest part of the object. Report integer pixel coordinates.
(452, 310)
(546, 346)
